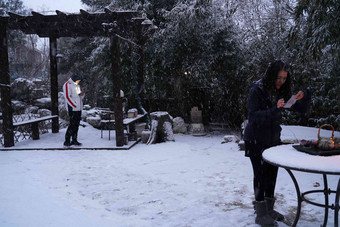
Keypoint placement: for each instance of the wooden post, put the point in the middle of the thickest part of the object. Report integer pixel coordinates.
(6, 105)
(54, 83)
(139, 61)
(117, 84)
(140, 66)
(35, 130)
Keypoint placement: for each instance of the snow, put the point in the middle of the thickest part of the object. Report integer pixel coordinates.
(195, 181)
(287, 156)
(34, 120)
(44, 100)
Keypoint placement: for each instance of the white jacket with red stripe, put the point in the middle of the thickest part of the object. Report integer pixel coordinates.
(72, 95)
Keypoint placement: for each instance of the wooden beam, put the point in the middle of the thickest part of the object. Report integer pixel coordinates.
(117, 85)
(72, 25)
(61, 14)
(54, 83)
(6, 105)
(85, 13)
(36, 14)
(15, 16)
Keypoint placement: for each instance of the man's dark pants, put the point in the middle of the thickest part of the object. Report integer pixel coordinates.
(72, 130)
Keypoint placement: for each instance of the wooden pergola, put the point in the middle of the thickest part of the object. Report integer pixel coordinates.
(112, 24)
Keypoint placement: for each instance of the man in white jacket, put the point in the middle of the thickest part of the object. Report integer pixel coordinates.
(74, 105)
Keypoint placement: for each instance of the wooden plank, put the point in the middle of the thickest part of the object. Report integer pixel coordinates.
(128, 121)
(73, 148)
(35, 120)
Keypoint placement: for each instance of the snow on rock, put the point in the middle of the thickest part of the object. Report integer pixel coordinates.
(43, 103)
(168, 131)
(179, 125)
(44, 112)
(230, 138)
(94, 121)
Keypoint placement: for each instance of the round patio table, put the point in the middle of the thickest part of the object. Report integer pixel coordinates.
(287, 157)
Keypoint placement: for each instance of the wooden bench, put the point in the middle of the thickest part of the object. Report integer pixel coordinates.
(128, 122)
(34, 124)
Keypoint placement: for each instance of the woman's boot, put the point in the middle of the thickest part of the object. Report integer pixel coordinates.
(273, 213)
(262, 216)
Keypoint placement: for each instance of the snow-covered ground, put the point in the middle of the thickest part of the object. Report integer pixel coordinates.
(195, 181)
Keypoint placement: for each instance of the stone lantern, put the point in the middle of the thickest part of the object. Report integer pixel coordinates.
(196, 128)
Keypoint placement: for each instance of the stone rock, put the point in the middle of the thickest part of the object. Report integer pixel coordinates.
(94, 121)
(230, 138)
(145, 135)
(140, 127)
(87, 107)
(32, 110)
(161, 127)
(18, 107)
(61, 98)
(43, 103)
(168, 131)
(63, 114)
(38, 83)
(241, 145)
(197, 129)
(44, 112)
(243, 127)
(37, 94)
(20, 89)
(179, 125)
(196, 115)
(84, 115)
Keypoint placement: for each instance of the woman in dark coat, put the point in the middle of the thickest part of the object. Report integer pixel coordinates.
(266, 99)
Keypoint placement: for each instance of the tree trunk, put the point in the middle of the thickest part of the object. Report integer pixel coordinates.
(161, 128)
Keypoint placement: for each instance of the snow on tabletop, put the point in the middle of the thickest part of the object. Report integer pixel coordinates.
(286, 155)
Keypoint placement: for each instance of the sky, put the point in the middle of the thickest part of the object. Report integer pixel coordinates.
(70, 6)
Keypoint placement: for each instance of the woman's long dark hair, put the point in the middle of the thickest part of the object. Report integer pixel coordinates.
(271, 75)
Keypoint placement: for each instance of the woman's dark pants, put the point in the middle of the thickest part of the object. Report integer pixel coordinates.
(265, 174)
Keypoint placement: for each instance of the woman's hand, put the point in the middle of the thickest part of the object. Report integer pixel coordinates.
(280, 103)
(299, 95)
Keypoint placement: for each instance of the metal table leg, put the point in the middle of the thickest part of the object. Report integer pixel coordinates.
(326, 193)
(336, 208)
(299, 197)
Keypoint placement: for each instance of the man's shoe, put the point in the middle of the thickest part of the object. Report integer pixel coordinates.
(75, 142)
(67, 143)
